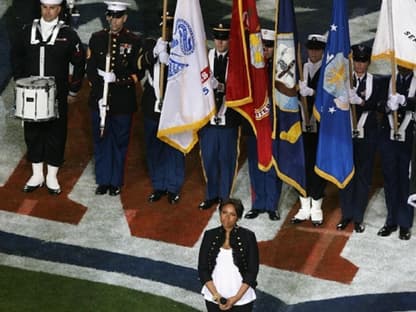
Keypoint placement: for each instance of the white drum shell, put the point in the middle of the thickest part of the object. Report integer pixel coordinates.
(36, 99)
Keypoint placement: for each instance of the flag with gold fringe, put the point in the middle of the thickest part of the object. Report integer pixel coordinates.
(246, 89)
(334, 158)
(189, 100)
(288, 148)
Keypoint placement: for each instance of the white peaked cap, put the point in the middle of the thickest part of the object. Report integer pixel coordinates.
(116, 5)
(316, 37)
(51, 2)
(267, 34)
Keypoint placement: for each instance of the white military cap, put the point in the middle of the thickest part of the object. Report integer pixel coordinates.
(51, 2)
(116, 6)
(267, 34)
(316, 41)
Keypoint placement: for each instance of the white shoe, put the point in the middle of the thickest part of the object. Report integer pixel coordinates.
(52, 180)
(316, 212)
(36, 180)
(304, 212)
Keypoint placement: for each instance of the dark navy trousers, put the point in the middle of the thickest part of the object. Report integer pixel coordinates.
(165, 163)
(111, 149)
(219, 152)
(265, 186)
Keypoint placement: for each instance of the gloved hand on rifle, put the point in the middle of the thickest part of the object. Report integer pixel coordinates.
(108, 77)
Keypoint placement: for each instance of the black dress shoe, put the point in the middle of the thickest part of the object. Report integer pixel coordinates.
(252, 214)
(359, 227)
(274, 215)
(30, 188)
(54, 191)
(386, 230)
(296, 220)
(114, 190)
(101, 189)
(173, 198)
(404, 233)
(156, 195)
(343, 224)
(206, 204)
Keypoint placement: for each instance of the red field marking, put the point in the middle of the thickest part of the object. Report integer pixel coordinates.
(27, 206)
(313, 251)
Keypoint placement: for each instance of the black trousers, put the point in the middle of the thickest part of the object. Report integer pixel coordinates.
(46, 140)
(315, 185)
(213, 307)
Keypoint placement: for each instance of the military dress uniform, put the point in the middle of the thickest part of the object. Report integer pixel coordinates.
(166, 164)
(218, 140)
(34, 55)
(266, 186)
(354, 197)
(110, 149)
(395, 157)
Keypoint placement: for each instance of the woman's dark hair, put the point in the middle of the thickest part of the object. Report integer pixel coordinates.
(238, 206)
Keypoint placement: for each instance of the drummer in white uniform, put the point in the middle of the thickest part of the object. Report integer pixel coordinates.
(45, 49)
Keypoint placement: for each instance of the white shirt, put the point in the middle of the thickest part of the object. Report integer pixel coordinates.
(227, 279)
(46, 28)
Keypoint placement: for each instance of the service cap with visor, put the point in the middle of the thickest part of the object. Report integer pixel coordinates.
(116, 9)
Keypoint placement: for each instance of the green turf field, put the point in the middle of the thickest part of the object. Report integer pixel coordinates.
(22, 290)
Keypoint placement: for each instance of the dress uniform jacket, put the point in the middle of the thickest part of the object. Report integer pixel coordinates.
(110, 149)
(166, 164)
(396, 156)
(354, 197)
(245, 253)
(315, 185)
(124, 54)
(66, 49)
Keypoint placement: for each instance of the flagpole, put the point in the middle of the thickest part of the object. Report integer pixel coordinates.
(162, 65)
(274, 101)
(353, 110)
(393, 66)
(302, 98)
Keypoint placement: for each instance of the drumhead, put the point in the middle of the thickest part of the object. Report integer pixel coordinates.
(35, 82)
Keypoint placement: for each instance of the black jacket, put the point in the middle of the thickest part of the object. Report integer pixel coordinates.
(66, 49)
(124, 53)
(245, 253)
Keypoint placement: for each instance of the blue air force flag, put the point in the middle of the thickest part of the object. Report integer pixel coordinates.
(189, 101)
(334, 158)
(288, 152)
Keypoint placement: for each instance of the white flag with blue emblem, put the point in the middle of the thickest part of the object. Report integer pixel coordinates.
(189, 100)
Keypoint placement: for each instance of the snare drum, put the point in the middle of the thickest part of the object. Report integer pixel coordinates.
(35, 99)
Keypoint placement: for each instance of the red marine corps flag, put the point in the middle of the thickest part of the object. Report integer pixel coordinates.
(246, 89)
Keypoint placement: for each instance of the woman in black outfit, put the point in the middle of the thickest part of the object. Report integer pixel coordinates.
(229, 262)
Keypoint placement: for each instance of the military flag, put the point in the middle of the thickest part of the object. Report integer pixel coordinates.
(334, 159)
(246, 89)
(189, 100)
(396, 33)
(288, 148)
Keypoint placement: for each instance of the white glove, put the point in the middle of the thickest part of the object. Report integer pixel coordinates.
(401, 99)
(393, 101)
(107, 77)
(161, 46)
(411, 200)
(354, 98)
(304, 90)
(214, 82)
(164, 58)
